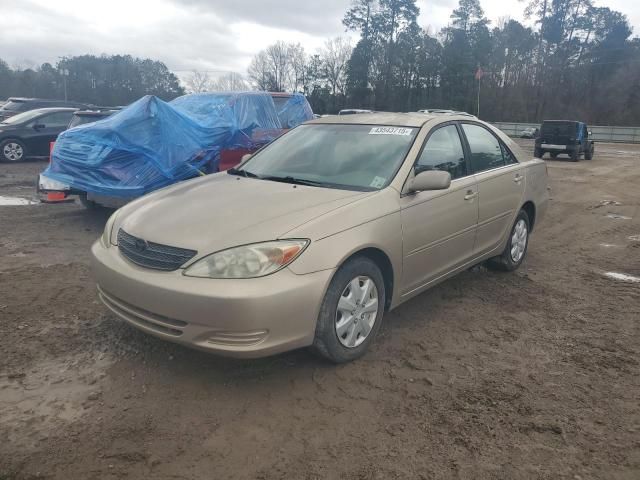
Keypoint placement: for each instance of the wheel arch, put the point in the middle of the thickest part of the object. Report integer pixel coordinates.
(382, 260)
(530, 208)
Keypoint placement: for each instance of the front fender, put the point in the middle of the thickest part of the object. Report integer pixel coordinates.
(383, 234)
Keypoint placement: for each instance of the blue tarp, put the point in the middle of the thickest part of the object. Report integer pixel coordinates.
(152, 143)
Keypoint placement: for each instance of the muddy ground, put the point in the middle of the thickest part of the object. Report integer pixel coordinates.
(534, 374)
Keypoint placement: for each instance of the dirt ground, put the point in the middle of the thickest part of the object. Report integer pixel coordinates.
(534, 374)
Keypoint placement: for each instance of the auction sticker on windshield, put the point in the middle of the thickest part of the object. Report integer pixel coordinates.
(390, 131)
(378, 182)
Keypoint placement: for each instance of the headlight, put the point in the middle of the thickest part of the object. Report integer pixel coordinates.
(106, 235)
(248, 261)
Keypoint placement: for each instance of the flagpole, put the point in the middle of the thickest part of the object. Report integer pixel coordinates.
(479, 79)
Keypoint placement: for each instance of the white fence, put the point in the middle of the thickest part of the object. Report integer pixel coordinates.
(599, 133)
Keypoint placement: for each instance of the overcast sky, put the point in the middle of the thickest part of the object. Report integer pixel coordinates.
(212, 35)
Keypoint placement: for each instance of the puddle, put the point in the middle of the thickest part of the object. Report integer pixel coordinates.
(622, 277)
(609, 245)
(635, 238)
(617, 216)
(11, 201)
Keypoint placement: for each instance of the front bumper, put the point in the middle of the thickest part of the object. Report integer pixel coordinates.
(52, 191)
(48, 184)
(235, 317)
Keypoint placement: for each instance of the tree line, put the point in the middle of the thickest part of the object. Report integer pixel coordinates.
(579, 61)
(99, 80)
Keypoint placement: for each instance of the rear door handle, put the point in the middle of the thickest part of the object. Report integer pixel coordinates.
(470, 195)
(518, 178)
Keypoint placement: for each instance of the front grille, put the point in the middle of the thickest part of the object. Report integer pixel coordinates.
(152, 255)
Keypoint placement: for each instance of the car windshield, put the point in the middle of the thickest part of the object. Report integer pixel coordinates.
(12, 106)
(22, 117)
(354, 157)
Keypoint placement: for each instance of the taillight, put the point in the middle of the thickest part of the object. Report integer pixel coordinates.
(51, 144)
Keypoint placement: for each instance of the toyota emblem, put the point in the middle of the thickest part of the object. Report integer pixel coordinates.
(141, 245)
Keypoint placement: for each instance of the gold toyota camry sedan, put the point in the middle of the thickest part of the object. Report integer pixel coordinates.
(312, 239)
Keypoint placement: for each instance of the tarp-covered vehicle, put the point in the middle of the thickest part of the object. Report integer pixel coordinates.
(152, 143)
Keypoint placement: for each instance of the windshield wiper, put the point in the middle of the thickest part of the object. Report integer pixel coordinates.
(295, 181)
(244, 173)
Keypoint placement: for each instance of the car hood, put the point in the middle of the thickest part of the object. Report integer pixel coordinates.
(221, 211)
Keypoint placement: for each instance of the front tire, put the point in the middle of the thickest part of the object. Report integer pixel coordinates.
(351, 312)
(86, 203)
(538, 152)
(514, 252)
(12, 150)
(574, 155)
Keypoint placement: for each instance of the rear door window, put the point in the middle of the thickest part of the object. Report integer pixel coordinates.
(486, 151)
(443, 151)
(59, 119)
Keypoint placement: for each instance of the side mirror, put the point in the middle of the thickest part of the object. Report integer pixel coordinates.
(430, 180)
(38, 126)
(245, 157)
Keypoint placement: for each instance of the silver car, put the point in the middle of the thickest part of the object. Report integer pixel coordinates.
(311, 240)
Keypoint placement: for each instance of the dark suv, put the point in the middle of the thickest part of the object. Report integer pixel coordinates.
(15, 105)
(564, 136)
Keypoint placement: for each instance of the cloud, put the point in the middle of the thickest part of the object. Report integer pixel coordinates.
(316, 17)
(212, 35)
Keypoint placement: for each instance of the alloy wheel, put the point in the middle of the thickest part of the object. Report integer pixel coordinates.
(13, 151)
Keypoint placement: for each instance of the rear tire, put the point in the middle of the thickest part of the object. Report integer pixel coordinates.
(346, 324)
(588, 155)
(516, 249)
(554, 155)
(12, 150)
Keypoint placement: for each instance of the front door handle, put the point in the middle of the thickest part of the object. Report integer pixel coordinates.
(470, 195)
(518, 178)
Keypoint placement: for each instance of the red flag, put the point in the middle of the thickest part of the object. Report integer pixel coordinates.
(479, 74)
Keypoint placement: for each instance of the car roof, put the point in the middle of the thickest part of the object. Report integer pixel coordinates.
(412, 119)
(52, 110)
(102, 112)
(42, 100)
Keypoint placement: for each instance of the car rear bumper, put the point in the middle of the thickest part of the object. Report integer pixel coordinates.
(235, 317)
(550, 146)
